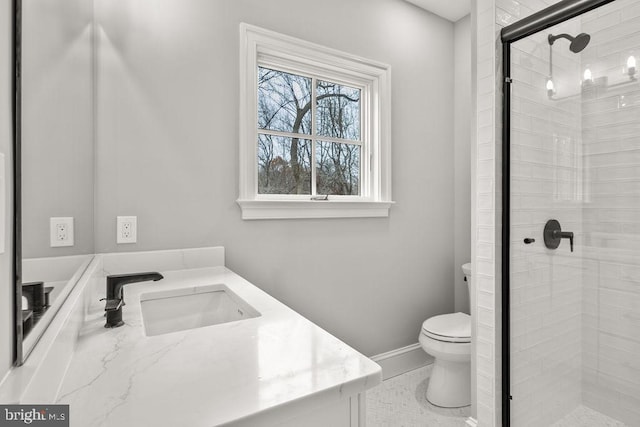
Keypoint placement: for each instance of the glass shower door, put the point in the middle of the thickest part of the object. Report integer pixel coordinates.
(575, 159)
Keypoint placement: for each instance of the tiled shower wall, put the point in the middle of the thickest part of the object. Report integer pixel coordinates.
(490, 16)
(486, 226)
(611, 136)
(546, 183)
(602, 160)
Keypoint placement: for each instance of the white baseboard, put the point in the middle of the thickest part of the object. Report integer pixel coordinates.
(401, 360)
(471, 422)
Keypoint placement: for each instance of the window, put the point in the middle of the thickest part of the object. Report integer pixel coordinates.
(314, 130)
(308, 135)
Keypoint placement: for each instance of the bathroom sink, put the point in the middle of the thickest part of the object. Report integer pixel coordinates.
(189, 308)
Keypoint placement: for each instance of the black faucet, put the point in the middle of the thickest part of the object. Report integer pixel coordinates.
(34, 292)
(115, 301)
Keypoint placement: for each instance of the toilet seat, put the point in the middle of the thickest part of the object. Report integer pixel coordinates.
(453, 328)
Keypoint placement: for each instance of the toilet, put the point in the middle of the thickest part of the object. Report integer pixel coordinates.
(448, 339)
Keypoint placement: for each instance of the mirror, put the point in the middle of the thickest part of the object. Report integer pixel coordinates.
(54, 225)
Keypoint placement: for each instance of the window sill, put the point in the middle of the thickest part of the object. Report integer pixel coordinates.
(298, 209)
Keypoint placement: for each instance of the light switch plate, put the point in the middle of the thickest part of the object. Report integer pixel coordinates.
(127, 229)
(61, 231)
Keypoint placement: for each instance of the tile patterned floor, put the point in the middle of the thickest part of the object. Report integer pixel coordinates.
(401, 402)
(587, 417)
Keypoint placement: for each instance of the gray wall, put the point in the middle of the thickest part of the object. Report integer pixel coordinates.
(57, 118)
(6, 278)
(167, 150)
(462, 158)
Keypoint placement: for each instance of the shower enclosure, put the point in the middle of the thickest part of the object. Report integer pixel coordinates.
(571, 216)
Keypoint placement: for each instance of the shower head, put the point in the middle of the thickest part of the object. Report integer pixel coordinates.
(578, 42)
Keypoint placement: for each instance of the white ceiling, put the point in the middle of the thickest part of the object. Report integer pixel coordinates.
(448, 9)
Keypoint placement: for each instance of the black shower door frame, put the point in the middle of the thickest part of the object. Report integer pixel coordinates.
(552, 15)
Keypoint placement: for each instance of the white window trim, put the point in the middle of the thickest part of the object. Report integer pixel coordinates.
(258, 45)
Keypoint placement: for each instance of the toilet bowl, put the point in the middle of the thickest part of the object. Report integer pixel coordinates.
(448, 339)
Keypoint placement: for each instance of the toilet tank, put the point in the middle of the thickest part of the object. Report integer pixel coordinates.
(466, 269)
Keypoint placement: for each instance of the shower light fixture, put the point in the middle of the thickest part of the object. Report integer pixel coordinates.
(587, 78)
(631, 67)
(551, 90)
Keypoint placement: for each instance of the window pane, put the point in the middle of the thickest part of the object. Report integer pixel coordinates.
(338, 111)
(284, 165)
(284, 101)
(338, 168)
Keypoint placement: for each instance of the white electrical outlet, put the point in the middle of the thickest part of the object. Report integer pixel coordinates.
(61, 231)
(127, 229)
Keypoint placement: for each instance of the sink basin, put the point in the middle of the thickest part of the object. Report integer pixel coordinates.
(189, 308)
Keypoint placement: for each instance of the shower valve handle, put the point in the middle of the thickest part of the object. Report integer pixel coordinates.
(566, 235)
(553, 234)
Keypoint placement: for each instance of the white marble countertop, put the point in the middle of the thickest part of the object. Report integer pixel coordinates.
(230, 374)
